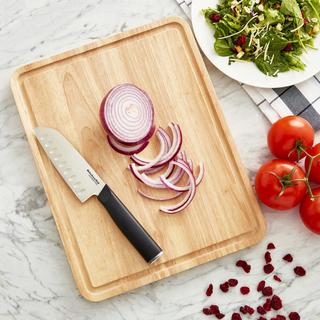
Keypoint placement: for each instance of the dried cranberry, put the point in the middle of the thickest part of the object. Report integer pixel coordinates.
(271, 246)
(244, 290)
(261, 285)
(206, 311)
(219, 315)
(214, 309)
(224, 287)
(276, 278)
(236, 316)
(261, 310)
(241, 263)
(267, 305)
(267, 257)
(209, 290)
(288, 257)
(262, 318)
(280, 317)
(294, 316)
(244, 265)
(247, 268)
(305, 21)
(243, 310)
(267, 291)
(288, 47)
(241, 40)
(215, 17)
(232, 282)
(299, 271)
(276, 303)
(249, 309)
(268, 268)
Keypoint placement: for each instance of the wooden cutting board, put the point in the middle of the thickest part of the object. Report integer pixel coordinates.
(64, 92)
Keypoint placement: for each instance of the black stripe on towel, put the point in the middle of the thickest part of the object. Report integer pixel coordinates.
(295, 100)
(312, 116)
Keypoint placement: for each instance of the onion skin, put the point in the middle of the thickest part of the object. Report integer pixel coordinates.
(104, 123)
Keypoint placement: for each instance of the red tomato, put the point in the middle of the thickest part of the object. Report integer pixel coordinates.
(286, 133)
(315, 167)
(268, 185)
(310, 211)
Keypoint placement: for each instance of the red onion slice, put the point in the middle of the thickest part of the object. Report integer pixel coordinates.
(167, 148)
(124, 149)
(153, 183)
(158, 157)
(189, 196)
(127, 114)
(171, 154)
(200, 174)
(148, 196)
(171, 185)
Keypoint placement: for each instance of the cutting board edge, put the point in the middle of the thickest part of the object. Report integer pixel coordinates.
(101, 293)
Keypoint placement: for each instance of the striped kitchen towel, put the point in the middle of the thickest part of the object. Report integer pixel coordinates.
(302, 99)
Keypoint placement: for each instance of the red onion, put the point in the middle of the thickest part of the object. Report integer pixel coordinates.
(124, 149)
(127, 114)
(156, 160)
(146, 195)
(171, 154)
(191, 193)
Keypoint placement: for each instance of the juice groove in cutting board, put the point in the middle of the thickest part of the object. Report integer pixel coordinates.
(64, 92)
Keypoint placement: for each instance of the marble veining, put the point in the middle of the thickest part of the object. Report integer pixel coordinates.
(35, 279)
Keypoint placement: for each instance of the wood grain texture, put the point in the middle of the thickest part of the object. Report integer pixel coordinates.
(64, 92)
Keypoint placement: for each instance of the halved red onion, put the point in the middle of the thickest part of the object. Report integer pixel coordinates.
(127, 114)
(171, 154)
(191, 190)
(124, 149)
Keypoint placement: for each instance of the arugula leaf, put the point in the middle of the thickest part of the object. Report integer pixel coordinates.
(291, 8)
(294, 61)
(222, 48)
(274, 16)
(279, 65)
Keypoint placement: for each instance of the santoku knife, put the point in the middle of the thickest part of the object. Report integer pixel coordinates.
(85, 182)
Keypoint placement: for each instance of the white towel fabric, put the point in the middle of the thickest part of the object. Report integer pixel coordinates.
(302, 99)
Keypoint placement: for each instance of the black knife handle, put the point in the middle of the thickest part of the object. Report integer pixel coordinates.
(129, 226)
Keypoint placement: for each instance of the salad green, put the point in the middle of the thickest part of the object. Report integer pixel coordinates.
(271, 33)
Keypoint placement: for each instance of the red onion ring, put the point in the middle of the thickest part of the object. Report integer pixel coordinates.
(191, 190)
(127, 114)
(124, 149)
(167, 148)
(158, 157)
(148, 196)
(171, 154)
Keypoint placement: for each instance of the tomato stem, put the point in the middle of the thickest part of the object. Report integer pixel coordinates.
(302, 149)
(287, 181)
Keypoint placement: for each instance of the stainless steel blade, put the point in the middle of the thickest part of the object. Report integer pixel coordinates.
(74, 169)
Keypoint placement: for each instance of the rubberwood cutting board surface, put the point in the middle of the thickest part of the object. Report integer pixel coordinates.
(64, 92)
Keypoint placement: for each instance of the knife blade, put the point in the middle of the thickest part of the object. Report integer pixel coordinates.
(85, 183)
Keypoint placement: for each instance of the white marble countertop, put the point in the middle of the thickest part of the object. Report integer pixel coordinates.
(35, 279)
